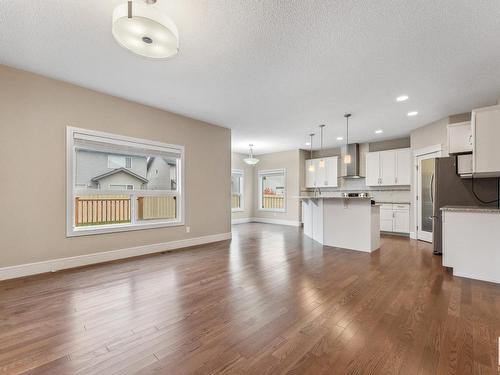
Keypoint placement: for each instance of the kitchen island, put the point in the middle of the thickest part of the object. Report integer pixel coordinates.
(471, 242)
(349, 223)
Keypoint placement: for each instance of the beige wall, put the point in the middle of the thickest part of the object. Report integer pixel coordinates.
(390, 144)
(429, 135)
(290, 160)
(248, 184)
(34, 113)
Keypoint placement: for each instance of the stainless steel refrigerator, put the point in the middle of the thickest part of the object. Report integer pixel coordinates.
(448, 188)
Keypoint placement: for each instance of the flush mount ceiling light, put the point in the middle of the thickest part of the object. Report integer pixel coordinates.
(340, 138)
(145, 30)
(402, 98)
(380, 131)
(251, 160)
(412, 113)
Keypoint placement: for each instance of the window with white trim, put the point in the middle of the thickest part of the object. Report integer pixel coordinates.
(237, 197)
(272, 190)
(117, 183)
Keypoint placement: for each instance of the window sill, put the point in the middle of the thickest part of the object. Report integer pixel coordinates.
(237, 209)
(116, 228)
(272, 209)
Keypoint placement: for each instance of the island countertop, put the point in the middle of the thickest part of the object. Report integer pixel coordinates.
(490, 209)
(329, 196)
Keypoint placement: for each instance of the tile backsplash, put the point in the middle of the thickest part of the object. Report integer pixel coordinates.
(379, 193)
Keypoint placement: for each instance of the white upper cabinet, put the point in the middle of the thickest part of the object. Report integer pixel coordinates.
(388, 168)
(331, 168)
(403, 167)
(485, 136)
(323, 172)
(310, 174)
(460, 138)
(372, 169)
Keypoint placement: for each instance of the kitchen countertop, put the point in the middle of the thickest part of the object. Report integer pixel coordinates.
(329, 196)
(490, 209)
(388, 202)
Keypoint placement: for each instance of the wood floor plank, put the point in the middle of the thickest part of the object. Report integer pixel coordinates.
(270, 301)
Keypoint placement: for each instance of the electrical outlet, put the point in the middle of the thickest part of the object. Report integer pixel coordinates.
(188, 229)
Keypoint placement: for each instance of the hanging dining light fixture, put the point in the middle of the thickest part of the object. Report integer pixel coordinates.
(311, 166)
(251, 160)
(347, 156)
(145, 30)
(322, 161)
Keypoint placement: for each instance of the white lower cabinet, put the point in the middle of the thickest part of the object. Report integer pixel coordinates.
(395, 218)
(386, 218)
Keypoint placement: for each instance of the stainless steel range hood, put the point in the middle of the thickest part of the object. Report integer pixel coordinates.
(351, 170)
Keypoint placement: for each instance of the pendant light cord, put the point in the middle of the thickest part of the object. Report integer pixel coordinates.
(311, 149)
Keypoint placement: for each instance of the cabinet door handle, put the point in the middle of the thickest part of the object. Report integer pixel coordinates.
(470, 139)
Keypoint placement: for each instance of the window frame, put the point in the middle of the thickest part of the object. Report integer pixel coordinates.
(241, 175)
(72, 191)
(270, 172)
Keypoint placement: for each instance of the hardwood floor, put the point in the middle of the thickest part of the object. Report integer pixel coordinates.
(268, 302)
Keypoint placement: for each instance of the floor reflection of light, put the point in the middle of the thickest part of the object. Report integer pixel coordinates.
(310, 295)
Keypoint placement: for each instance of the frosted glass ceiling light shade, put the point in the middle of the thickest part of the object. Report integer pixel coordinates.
(251, 160)
(148, 32)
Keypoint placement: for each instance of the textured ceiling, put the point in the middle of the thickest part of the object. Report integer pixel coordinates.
(272, 70)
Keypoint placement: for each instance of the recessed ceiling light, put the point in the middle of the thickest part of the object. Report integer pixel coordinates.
(379, 131)
(340, 138)
(308, 143)
(412, 113)
(402, 98)
(144, 30)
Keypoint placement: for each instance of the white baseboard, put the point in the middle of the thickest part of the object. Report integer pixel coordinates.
(106, 256)
(241, 221)
(292, 223)
(413, 235)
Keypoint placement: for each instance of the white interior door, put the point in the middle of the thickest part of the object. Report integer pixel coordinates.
(425, 196)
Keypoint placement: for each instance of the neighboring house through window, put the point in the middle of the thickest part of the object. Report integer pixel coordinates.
(119, 161)
(118, 183)
(121, 187)
(272, 190)
(237, 187)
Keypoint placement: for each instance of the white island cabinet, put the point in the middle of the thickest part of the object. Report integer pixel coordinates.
(349, 223)
(471, 242)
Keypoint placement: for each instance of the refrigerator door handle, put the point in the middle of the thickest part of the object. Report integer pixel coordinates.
(431, 186)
